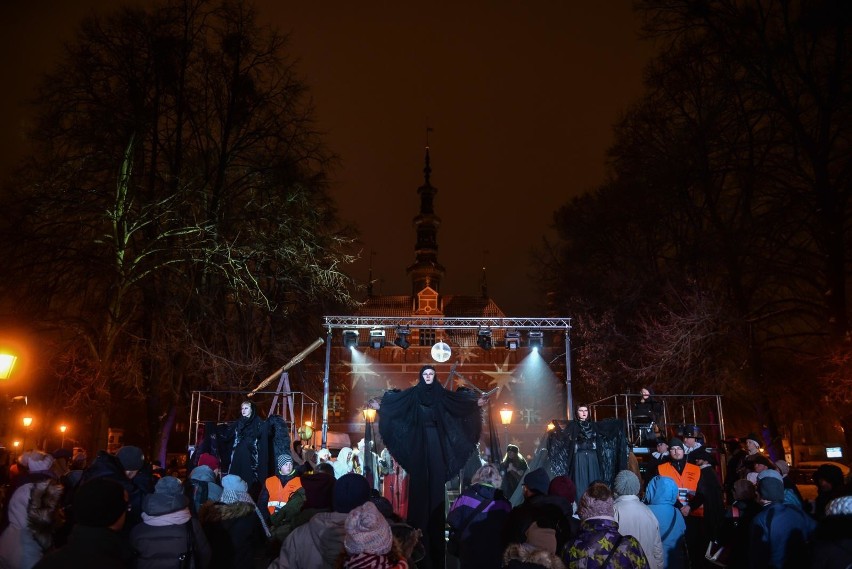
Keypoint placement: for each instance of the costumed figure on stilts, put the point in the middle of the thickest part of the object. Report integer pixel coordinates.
(431, 432)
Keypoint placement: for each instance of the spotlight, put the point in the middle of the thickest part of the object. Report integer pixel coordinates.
(402, 337)
(484, 339)
(350, 338)
(513, 340)
(536, 339)
(377, 339)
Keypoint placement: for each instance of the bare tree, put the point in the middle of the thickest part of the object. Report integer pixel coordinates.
(176, 215)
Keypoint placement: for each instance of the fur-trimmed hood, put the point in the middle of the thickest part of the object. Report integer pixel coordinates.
(215, 512)
(34, 510)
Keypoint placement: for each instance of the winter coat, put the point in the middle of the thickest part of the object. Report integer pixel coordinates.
(661, 495)
(91, 548)
(202, 486)
(233, 531)
(634, 518)
(160, 546)
(736, 531)
(779, 536)
(477, 541)
(33, 515)
(600, 545)
(314, 545)
(832, 543)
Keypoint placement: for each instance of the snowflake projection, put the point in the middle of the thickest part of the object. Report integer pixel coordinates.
(501, 377)
(467, 354)
(360, 372)
(529, 416)
(459, 380)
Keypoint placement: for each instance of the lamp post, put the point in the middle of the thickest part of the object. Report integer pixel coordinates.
(62, 429)
(506, 419)
(28, 422)
(369, 467)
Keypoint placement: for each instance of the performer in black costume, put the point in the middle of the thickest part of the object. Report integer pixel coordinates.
(647, 414)
(587, 450)
(431, 432)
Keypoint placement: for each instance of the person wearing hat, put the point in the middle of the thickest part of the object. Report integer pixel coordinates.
(780, 532)
(168, 531)
(129, 468)
(832, 540)
(660, 496)
(705, 521)
(684, 474)
(234, 526)
(477, 516)
(538, 516)
(368, 541)
(691, 442)
(635, 518)
(753, 444)
(203, 487)
(100, 510)
(33, 514)
(319, 543)
(512, 468)
(599, 543)
(277, 489)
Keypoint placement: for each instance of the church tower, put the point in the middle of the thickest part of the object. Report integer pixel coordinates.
(426, 271)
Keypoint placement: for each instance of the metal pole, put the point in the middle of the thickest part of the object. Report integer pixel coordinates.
(569, 397)
(324, 442)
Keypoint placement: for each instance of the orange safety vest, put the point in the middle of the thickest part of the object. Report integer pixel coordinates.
(278, 494)
(687, 483)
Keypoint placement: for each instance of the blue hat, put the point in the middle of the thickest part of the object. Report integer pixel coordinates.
(537, 480)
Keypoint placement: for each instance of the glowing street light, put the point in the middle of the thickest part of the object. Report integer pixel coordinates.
(7, 363)
(27, 421)
(506, 419)
(62, 429)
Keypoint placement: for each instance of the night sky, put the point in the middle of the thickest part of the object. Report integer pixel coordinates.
(521, 98)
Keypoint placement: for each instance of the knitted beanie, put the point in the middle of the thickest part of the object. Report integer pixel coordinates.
(563, 486)
(537, 480)
(771, 488)
(592, 508)
(350, 491)
(99, 503)
(235, 489)
(769, 473)
(783, 466)
(367, 531)
(207, 459)
(168, 485)
(676, 442)
(130, 457)
(626, 484)
(282, 460)
(839, 507)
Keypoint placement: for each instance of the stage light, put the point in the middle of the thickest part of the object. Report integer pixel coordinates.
(377, 339)
(513, 340)
(402, 337)
(350, 338)
(536, 339)
(484, 339)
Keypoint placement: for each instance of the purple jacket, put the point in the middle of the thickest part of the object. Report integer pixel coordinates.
(600, 545)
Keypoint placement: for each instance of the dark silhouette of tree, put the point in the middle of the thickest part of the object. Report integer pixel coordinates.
(718, 244)
(176, 218)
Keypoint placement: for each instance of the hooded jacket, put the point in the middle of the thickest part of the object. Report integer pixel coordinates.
(634, 518)
(599, 541)
(32, 520)
(233, 531)
(168, 532)
(315, 545)
(660, 495)
(779, 536)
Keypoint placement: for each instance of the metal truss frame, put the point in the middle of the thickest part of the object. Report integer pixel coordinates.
(332, 323)
(445, 322)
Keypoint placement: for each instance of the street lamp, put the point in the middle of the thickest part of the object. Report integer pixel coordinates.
(28, 422)
(367, 459)
(7, 363)
(506, 419)
(62, 429)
